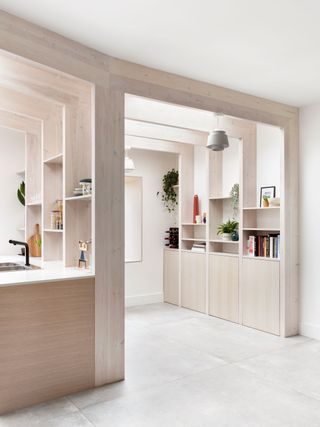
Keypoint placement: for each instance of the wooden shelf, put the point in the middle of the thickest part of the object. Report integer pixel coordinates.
(21, 229)
(261, 258)
(87, 197)
(37, 203)
(54, 160)
(224, 254)
(192, 223)
(192, 239)
(220, 198)
(261, 208)
(21, 173)
(223, 241)
(262, 229)
(51, 230)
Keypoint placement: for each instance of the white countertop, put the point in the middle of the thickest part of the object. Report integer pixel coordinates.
(51, 271)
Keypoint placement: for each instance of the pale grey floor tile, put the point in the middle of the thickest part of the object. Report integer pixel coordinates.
(225, 340)
(38, 415)
(224, 397)
(73, 420)
(152, 314)
(151, 360)
(297, 367)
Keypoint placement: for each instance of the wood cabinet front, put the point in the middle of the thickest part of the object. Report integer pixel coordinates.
(193, 281)
(224, 287)
(261, 295)
(171, 276)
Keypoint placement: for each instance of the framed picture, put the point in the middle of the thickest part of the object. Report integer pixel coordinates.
(268, 192)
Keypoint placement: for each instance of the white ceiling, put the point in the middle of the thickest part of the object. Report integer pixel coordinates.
(269, 48)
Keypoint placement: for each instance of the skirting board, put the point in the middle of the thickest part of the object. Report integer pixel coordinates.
(310, 330)
(133, 300)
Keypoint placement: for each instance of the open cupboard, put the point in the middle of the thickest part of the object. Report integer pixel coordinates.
(225, 281)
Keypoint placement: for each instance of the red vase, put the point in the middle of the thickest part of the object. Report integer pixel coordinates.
(195, 207)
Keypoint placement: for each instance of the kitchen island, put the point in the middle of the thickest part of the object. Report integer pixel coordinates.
(47, 325)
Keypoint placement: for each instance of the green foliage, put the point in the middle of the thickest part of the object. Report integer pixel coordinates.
(228, 227)
(39, 242)
(169, 195)
(234, 193)
(21, 193)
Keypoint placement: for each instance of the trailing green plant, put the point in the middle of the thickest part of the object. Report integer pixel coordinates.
(228, 227)
(234, 193)
(169, 196)
(21, 193)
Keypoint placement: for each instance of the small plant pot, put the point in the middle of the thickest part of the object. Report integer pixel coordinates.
(226, 237)
(265, 203)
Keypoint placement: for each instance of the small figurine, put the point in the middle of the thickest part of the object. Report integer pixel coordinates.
(83, 247)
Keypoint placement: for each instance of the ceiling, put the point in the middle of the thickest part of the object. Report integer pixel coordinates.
(268, 48)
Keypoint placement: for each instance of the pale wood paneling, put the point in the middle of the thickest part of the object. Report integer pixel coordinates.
(224, 287)
(261, 295)
(171, 276)
(47, 341)
(193, 281)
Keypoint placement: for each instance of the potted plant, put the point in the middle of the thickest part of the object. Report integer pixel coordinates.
(266, 201)
(169, 195)
(226, 229)
(21, 193)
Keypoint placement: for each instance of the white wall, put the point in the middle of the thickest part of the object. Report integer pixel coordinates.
(12, 154)
(144, 280)
(309, 172)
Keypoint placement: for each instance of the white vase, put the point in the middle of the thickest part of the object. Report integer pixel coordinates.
(226, 237)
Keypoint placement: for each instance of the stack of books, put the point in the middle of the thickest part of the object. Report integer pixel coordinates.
(199, 247)
(267, 246)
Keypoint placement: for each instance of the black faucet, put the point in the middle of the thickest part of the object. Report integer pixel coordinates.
(25, 244)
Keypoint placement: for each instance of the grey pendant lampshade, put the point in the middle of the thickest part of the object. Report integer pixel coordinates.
(217, 140)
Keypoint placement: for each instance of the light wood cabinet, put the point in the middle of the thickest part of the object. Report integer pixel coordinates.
(261, 295)
(224, 287)
(171, 276)
(193, 281)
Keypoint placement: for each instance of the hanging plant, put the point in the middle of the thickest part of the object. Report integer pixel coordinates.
(21, 193)
(169, 196)
(234, 193)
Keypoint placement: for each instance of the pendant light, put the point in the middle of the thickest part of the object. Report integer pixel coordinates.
(217, 139)
(128, 162)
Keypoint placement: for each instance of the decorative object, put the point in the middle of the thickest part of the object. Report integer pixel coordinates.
(217, 139)
(83, 247)
(128, 162)
(274, 201)
(195, 207)
(173, 238)
(204, 217)
(84, 189)
(235, 236)
(226, 229)
(234, 193)
(21, 193)
(169, 195)
(198, 219)
(56, 216)
(35, 243)
(266, 193)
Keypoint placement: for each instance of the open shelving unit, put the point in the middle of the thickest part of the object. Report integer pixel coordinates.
(54, 166)
(225, 281)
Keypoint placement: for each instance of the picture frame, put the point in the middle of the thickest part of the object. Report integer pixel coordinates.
(269, 192)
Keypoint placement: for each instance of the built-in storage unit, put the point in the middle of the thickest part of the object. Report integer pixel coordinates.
(193, 281)
(230, 279)
(171, 276)
(58, 156)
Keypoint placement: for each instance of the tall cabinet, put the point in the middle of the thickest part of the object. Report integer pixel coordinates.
(226, 281)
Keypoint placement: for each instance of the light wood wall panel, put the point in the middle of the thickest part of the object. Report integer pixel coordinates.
(171, 276)
(193, 281)
(47, 341)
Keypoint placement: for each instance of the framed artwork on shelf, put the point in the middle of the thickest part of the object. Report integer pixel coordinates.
(267, 193)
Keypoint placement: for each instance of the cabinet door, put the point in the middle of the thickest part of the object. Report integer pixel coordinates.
(171, 276)
(224, 287)
(261, 295)
(193, 281)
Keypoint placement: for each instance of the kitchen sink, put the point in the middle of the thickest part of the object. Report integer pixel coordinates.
(12, 266)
